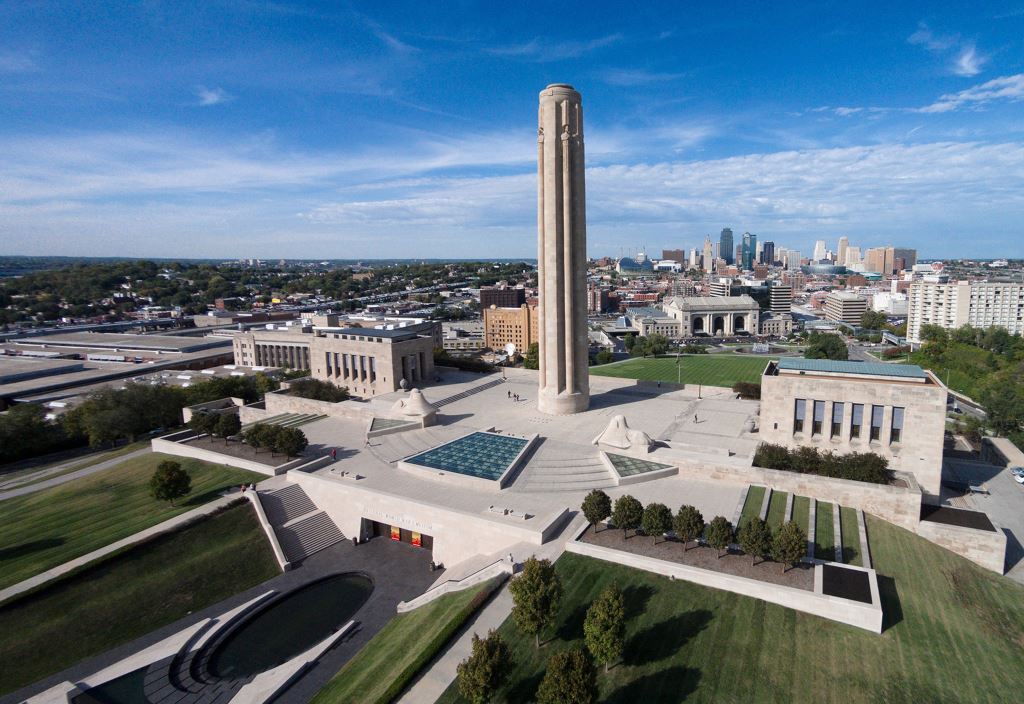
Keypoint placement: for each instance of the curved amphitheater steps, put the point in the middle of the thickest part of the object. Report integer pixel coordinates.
(556, 468)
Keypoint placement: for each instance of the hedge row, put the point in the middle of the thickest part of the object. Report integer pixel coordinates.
(858, 466)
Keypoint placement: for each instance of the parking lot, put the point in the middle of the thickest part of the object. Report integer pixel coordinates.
(1004, 503)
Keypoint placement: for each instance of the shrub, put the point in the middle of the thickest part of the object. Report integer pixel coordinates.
(628, 513)
(597, 507)
(755, 539)
(857, 466)
(747, 390)
(317, 390)
(688, 524)
(656, 520)
(719, 534)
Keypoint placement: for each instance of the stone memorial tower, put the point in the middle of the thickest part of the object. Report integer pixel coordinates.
(562, 253)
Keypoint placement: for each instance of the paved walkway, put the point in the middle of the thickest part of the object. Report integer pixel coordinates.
(168, 525)
(70, 476)
(433, 682)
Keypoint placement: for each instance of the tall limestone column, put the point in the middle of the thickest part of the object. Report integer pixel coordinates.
(562, 253)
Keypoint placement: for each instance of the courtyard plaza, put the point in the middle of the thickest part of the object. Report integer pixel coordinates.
(562, 465)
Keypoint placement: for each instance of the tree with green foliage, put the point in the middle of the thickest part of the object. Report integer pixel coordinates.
(317, 390)
(688, 524)
(486, 669)
(597, 507)
(719, 534)
(629, 341)
(290, 442)
(202, 422)
(627, 514)
(604, 357)
(789, 545)
(170, 482)
(656, 520)
(228, 424)
(656, 343)
(826, 346)
(254, 436)
(604, 628)
(532, 358)
(1002, 397)
(873, 320)
(536, 593)
(570, 678)
(755, 538)
(25, 431)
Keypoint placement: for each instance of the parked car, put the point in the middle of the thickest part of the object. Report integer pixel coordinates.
(1017, 471)
(1019, 478)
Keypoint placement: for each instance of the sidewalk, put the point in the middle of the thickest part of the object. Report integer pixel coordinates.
(166, 526)
(71, 476)
(432, 683)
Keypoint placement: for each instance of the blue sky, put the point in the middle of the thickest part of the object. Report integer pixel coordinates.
(280, 129)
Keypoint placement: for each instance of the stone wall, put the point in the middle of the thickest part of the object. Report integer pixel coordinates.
(457, 535)
(986, 548)
(896, 504)
(278, 403)
(173, 445)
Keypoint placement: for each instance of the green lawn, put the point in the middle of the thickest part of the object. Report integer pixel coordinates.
(26, 477)
(776, 509)
(851, 536)
(802, 512)
(385, 665)
(954, 635)
(130, 594)
(49, 527)
(706, 369)
(751, 506)
(824, 533)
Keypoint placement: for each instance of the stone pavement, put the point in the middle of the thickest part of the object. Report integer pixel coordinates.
(71, 476)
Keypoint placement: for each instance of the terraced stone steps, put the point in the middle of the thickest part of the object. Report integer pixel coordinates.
(286, 504)
(308, 535)
(287, 420)
(467, 393)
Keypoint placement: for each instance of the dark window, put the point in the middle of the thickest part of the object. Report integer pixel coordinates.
(819, 417)
(837, 419)
(897, 425)
(799, 415)
(876, 422)
(857, 420)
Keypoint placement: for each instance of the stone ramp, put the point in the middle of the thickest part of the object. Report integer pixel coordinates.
(467, 393)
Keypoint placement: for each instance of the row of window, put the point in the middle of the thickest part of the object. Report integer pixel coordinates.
(875, 419)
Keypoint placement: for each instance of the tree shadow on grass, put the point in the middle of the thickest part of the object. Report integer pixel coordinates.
(892, 609)
(671, 684)
(635, 598)
(206, 497)
(664, 638)
(572, 627)
(525, 690)
(16, 551)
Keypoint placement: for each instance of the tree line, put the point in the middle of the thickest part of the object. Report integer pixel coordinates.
(858, 466)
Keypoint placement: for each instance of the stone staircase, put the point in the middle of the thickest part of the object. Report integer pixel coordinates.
(556, 468)
(301, 528)
(391, 448)
(468, 392)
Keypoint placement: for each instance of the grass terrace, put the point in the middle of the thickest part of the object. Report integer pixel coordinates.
(707, 369)
(751, 506)
(801, 512)
(850, 536)
(44, 529)
(777, 509)
(390, 661)
(824, 536)
(953, 635)
(131, 593)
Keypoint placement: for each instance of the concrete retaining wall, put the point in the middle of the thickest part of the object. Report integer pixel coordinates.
(983, 547)
(168, 446)
(261, 516)
(498, 567)
(278, 403)
(457, 535)
(866, 616)
(899, 505)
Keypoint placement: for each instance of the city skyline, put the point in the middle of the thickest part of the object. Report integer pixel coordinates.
(310, 131)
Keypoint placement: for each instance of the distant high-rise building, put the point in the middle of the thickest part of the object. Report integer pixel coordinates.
(909, 256)
(725, 246)
(981, 304)
(852, 258)
(709, 257)
(768, 253)
(845, 307)
(819, 250)
(844, 244)
(676, 255)
(874, 260)
(889, 263)
(502, 296)
(738, 260)
(749, 250)
(694, 259)
(792, 259)
(780, 297)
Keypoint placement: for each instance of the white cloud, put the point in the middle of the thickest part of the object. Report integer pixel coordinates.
(969, 62)
(212, 96)
(924, 36)
(11, 62)
(1002, 88)
(539, 49)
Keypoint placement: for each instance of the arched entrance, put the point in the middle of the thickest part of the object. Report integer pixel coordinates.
(739, 323)
(718, 325)
(697, 325)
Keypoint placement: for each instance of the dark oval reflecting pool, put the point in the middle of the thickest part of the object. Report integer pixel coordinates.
(290, 625)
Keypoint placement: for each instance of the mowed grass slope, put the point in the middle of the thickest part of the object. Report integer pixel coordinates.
(706, 369)
(385, 665)
(130, 594)
(49, 527)
(954, 635)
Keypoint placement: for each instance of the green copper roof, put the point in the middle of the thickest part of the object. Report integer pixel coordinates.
(905, 371)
